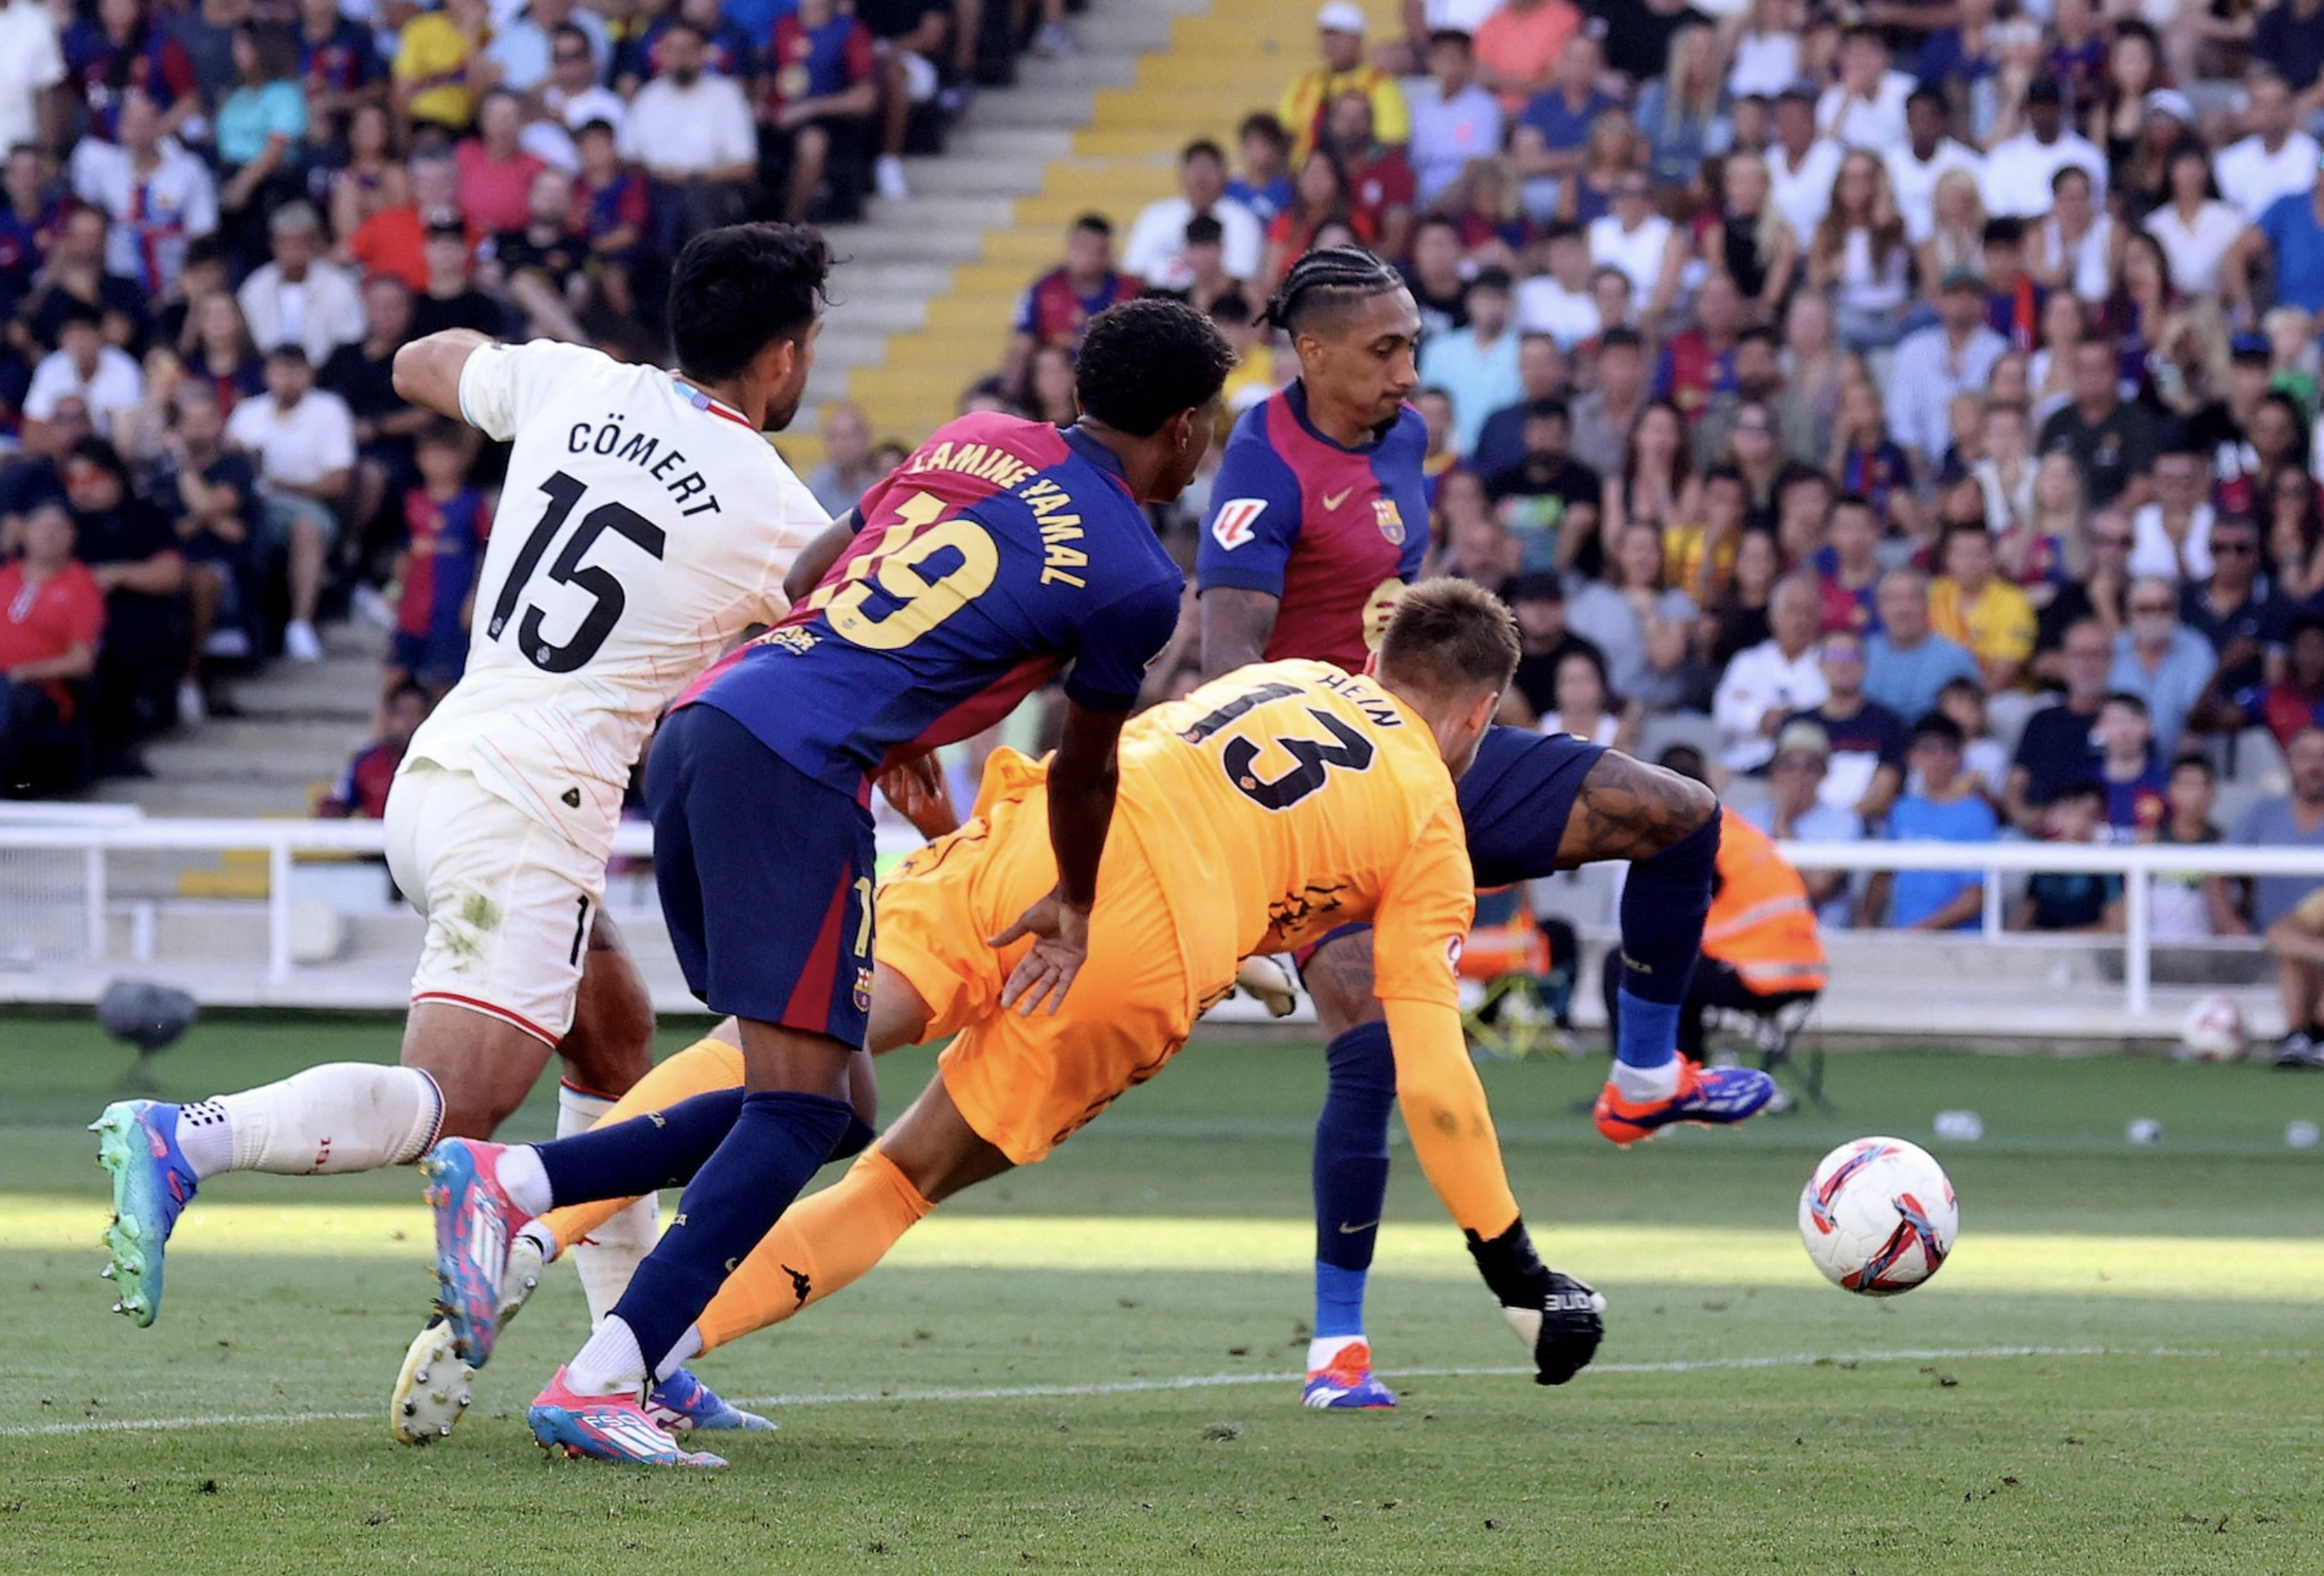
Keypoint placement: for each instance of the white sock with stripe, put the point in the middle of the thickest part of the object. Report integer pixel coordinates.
(341, 1117)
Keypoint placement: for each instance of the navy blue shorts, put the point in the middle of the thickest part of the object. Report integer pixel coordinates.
(1516, 798)
(765, 877)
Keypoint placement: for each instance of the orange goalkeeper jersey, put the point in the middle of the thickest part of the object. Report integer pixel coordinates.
(1286, 799)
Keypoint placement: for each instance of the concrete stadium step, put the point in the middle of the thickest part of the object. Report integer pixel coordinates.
(1098, 129)
(257, 751)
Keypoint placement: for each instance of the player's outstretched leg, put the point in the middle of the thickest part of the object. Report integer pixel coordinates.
(483, 1193)
(1663, 904)
(346, 1116)
(426, 1402)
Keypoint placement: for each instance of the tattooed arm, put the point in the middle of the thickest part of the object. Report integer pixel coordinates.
(1627, 809)
(1236, 624)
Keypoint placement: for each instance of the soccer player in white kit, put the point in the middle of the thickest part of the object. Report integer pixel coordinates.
(645, 524)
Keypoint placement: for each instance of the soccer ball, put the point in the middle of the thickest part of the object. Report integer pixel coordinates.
(2212, 1030)
(1878, 1216)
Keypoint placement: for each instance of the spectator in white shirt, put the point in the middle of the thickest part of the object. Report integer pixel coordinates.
(1766, 683)
(525, 49)
(1927, 153)
(83, 367)
(692, 131)
(1156, 250)
(2276, 160)
(1933, 365)
(570, 98)
(1766, 53)
(2018, 172)
(302, 441)
(1454, 118)
(1801, 165)
(2174, 533)
(2195, 228)
(157, 196)
(1559, 303)
(1865, 107)
(30, 63)
(1644, 247)
(300, 299)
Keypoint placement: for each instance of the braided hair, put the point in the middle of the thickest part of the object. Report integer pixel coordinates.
(1324, 280)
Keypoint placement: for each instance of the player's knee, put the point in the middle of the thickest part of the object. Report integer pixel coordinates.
(475, 1108)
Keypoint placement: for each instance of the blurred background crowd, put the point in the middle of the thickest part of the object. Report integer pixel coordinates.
(1912, 406)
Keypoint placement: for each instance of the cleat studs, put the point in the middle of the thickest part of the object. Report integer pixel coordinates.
(443, 1431)
(420, 1377)
(466, 1398)
(106, 1274)
(411, 1408)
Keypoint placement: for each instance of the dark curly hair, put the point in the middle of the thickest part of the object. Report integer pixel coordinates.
(738, 290)
(1142, 361)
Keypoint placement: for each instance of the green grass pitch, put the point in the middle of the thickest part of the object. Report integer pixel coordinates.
(1089, 1365)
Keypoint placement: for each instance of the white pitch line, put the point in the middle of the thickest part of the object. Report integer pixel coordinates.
(1198, 1382)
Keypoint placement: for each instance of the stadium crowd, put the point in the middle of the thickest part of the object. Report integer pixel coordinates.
(1915, 407)
(219, 219)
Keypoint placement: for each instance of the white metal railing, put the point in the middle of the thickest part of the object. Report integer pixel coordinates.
(283, 841)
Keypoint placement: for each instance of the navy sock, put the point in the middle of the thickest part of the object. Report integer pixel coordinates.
(1663, 907)
(778, 1142)
(661, 1148)
(1351, 1175)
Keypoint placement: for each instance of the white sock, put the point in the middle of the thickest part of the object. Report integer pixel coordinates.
(609, 1364)
(343, 1116)
(543, 1240)
(1644, 1084)
(525, 1180)
(1324, 1348)
(608, 1256)
(688, 1344)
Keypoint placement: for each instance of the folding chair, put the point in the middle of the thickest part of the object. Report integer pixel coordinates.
(1768, 1032)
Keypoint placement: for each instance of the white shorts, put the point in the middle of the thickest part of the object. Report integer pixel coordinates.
(508, 900)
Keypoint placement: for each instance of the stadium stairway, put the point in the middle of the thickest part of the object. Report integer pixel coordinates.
(926, 286)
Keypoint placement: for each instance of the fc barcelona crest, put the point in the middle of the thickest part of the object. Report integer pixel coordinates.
(1390, 523)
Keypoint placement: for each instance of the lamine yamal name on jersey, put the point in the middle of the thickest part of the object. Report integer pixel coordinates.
(1047, 500)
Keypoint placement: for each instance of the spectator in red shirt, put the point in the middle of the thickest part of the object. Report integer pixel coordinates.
(394, 238)
(1380, 186)
(495, 171)
(361, 790)
(821, 91)
(51, 614)
(1056, 307)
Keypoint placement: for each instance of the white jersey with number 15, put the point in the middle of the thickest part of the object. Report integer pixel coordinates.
(643, 526)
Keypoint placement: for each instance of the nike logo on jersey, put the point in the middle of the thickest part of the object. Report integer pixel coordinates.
(1230, 526)
(1333, 499)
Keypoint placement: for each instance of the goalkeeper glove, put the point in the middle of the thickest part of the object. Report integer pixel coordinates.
(1558, 1317)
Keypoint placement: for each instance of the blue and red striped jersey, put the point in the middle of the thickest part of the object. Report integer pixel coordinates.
(1333, 533)
(1000, 552)
(444, 541)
